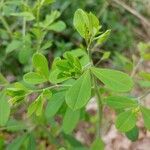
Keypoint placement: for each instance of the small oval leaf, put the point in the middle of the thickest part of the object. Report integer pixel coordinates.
(81, 22)
(133, 134)
(79, 94)
(41, 64)
(34, 78)
(125, 121)
(146, 117)
(54, 103)
(70, 121)
(98, 144)
(4, 110)
(113, 79)
(121, 102)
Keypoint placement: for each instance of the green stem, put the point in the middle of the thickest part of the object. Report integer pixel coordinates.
(38, 13)
(48, 88)
(41, 90)
(4, 22)
(2, 3)
(24, 22)
(136, 67)
(38, 25)
(6, 26)
(99, 108)
(24, 27)
(89, 51)
(97, 94)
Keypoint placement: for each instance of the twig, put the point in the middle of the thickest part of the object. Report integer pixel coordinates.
(98, 62)
(134, 12)
(140, 34)
(144, 95)
(51, 87)
(136, 67)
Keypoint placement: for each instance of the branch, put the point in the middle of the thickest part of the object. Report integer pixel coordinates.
(136, 67)
(144, 95)
(134, 12)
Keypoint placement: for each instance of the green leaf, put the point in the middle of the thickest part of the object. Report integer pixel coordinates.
(53, 77)
(121, 102)
(81, 22)
(39, 107)
(13, 46)
(87, 24)
(54, 104)
(15, 91)
(36, 106)
(31, 142)
(3, 80)
(63, 65)
(146, 117)
(57, 26)
(41, 64)
(14, 125)
(46, 45)
(70, 121)
(46, 2)
(133, 134)
(4, 110)
(93, 24)
(103, 37)
(47, 93)
(16, 99)
(122, 62)
(144, 50)
(2, 142)
(18, 92)
(32, 108)
(79, 94)
(69, 67)
(144, 84)
(113, 79)
(76, 53)
(50, 18)
(25, 55)
(98, 144)
(105, 55)
(145, 75)
(146, 56)
(27, 15)
(16, 143)
(125, 121)
(73, 142)
(34, 78)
